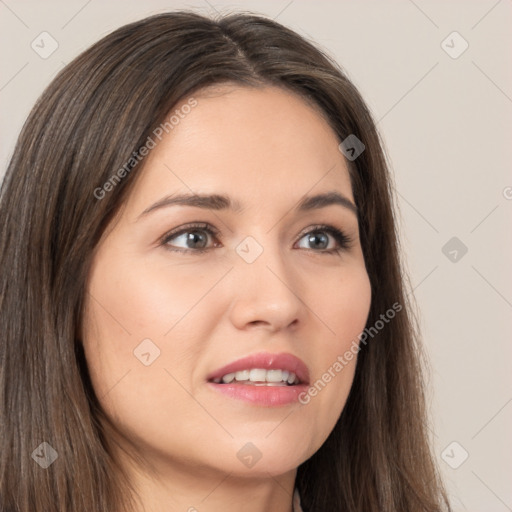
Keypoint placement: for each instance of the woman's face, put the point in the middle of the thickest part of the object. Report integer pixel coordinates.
(179, 291)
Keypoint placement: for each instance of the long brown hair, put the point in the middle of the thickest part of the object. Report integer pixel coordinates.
(95, 115)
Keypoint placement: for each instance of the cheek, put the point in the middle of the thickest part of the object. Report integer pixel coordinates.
(356, 295)
(131, 300)
(147, 302)
(123, 308)
(345, 306)
(355, 299)
(135, 314)
(131, 322)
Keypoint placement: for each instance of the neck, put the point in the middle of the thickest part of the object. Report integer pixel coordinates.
(171, 488)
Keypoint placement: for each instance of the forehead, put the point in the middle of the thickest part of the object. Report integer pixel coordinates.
(258, 145)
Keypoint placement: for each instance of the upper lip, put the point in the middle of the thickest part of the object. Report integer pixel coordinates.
(267, 361)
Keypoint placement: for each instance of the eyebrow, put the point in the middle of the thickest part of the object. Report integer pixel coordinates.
(222, 202)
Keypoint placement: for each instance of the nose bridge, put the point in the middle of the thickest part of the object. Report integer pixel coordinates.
(265, 284)
(259, 255)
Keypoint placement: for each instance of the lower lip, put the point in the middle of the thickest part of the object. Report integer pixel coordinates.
(267, 396)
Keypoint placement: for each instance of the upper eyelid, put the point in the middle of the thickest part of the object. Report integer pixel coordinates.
(190, 227)
(209, 227)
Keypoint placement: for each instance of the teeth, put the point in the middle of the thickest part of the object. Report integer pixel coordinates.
(274, 375)
(257, 375)
(260, 376)
(230, 377)
(243, 375)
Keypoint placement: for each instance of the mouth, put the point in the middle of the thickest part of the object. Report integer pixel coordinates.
(259, 377)
(263, 379)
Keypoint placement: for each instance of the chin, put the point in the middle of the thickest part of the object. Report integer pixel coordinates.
(260, 456)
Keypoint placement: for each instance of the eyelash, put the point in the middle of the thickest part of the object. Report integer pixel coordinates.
(340, 237)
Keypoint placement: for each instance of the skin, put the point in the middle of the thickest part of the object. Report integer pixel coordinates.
(266, 148)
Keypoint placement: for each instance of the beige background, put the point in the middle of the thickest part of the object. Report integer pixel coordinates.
(447, 125)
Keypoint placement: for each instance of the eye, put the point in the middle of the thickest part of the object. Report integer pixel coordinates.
(193, 238)
(196, 237)
(318, 238)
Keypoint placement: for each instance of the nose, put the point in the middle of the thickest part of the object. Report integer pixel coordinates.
(266, 293)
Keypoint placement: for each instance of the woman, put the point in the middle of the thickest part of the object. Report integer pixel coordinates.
(274, 366)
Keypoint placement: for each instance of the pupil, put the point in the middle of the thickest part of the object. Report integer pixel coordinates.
(193, 238)
(314, 238)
